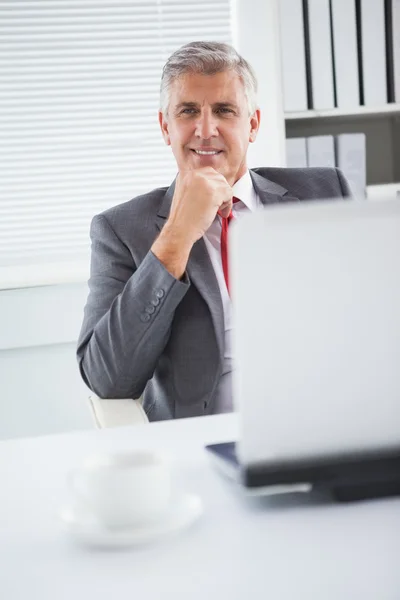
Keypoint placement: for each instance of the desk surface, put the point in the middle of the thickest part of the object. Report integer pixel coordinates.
(280, 548)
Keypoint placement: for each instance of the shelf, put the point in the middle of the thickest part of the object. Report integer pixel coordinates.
(359, 111)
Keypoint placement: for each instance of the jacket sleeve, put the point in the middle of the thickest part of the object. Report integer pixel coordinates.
(127, 317)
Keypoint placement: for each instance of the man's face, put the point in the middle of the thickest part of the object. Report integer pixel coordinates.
(209, 114)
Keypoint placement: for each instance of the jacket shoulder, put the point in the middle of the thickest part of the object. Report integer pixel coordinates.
(136, 208)
(308, 182)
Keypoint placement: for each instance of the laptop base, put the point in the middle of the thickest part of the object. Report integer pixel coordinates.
(367, 491)
(349, 478)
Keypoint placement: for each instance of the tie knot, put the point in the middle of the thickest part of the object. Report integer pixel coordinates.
(230, 216)
(234, 200)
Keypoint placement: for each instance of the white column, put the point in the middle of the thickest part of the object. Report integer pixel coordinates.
(256, 37)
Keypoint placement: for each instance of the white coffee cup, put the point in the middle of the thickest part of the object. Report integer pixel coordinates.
(124, 489)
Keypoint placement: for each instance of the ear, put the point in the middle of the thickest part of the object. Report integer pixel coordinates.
(164, 127)
(254, 125)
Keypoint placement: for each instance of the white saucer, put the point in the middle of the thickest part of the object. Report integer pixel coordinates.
(86, 529)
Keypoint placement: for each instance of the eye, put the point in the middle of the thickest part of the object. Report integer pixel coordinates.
(188, 111)
(224, 110)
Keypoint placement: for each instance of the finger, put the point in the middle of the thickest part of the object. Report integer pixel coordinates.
(225, 209)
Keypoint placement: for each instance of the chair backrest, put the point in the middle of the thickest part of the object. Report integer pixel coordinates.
(117, 412)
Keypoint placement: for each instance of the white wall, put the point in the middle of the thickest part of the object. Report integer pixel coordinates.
(41, 388)
(256, 37)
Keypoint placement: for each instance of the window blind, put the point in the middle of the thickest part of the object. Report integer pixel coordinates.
(79, 97)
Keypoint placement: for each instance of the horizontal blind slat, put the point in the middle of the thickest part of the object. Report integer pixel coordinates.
(103, 34)
(94, 6)
(19, 25)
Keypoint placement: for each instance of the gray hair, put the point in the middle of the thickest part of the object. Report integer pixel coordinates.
(207, 58)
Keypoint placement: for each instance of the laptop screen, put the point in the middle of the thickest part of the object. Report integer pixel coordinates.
(316, 306)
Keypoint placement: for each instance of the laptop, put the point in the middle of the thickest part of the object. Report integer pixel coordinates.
(316, 304)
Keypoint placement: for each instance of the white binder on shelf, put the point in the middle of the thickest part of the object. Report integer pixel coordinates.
(373, 52)
(321, 151)
(293, 55)
(319, 24)
(396, 48)
(392, 29)
(344, 27)
(351, 159)
(296, 152)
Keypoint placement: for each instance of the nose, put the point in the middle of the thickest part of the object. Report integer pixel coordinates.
(206, 126)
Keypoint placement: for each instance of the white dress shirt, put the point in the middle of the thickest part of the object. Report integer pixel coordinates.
(249, 200)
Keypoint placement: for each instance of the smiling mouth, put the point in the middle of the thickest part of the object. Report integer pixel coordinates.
(206, 152)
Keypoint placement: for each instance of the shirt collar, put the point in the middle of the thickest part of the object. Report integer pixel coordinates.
(244, 190)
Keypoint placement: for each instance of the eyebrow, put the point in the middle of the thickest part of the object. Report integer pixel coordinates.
(215, 105)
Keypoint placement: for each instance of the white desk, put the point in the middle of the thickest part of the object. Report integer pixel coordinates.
(286, 549)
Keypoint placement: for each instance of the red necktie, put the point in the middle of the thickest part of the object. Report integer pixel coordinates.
(224, 243)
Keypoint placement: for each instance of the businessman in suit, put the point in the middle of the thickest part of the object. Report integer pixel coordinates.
(157, 322)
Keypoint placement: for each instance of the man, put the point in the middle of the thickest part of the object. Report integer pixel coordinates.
(157, 321)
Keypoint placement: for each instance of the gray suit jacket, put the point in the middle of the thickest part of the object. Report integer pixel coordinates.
(143, 331)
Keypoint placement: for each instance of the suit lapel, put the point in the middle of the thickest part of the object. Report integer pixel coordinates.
(201, 274)
(270, 192)
(165, 206)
